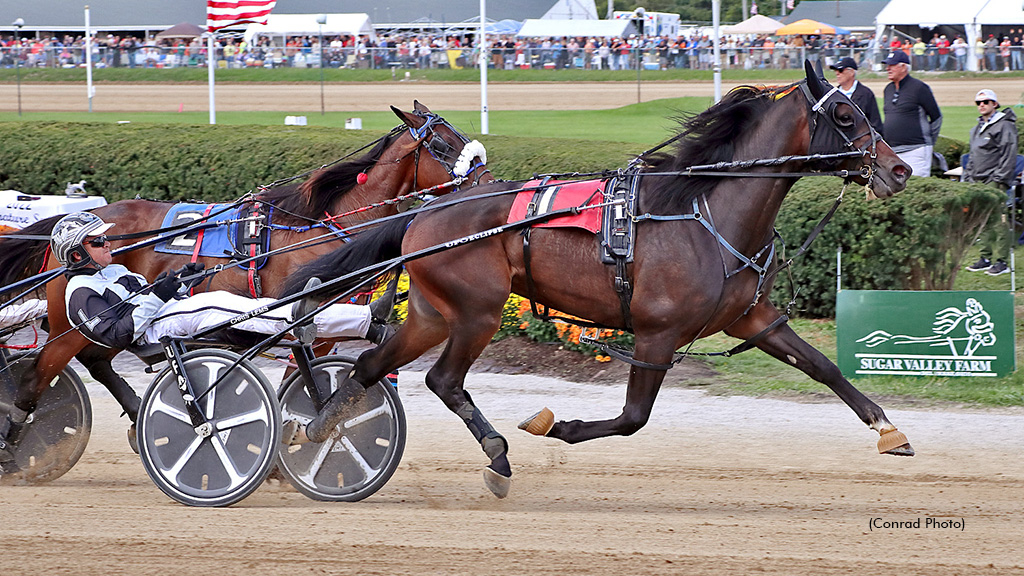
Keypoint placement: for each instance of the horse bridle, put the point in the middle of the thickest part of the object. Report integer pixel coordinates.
(438, 147)
(826, 107)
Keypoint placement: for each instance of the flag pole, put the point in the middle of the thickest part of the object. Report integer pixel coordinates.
(89, 90)
(210, 61)
(483, 67)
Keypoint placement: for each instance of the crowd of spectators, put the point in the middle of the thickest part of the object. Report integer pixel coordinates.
(442, 51)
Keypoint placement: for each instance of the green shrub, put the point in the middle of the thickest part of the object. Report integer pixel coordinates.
(218, 163)
(913, 241)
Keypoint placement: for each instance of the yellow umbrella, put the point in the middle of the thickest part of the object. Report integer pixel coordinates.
(805, 26)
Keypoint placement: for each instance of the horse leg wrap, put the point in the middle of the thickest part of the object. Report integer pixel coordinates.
(493, 444)
(13, 425)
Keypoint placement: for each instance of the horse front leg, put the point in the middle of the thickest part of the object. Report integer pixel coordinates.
(785, 345)
(643, 387)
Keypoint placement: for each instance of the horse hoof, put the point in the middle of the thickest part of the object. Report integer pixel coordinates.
(540, 423)
(894, 442)
(498, 485)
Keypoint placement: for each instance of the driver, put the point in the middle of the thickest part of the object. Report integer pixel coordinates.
(113, 307)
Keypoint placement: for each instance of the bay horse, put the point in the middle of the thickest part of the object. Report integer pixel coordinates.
(420, 153)
(702, 245)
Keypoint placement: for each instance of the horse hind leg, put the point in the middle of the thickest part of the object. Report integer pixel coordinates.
(421, 332)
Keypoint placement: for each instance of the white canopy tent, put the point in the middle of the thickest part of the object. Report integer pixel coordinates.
(572, 10)
(556, 28)
(305, 25)
(971, 15)
(756, 24)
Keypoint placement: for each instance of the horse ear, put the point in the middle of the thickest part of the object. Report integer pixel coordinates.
(813, 80)
(420, 107)
(411, 120)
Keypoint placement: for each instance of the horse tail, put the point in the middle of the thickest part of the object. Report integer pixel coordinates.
(376, 245)
(21, 258)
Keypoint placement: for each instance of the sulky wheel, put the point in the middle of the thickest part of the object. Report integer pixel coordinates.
(362, 453)
(57, 431)
(227, 464)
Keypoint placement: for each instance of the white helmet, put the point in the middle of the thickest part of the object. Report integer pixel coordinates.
(69, 234)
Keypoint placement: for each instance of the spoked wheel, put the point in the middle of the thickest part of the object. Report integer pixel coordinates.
(56, 433)
(234, 458)
(364, 450)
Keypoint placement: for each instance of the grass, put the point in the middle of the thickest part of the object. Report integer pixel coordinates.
(646, 123)
(754, 373)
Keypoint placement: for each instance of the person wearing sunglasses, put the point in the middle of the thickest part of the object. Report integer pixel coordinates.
(993, 161)
(114, 307)
(861, 95)
(912, 117)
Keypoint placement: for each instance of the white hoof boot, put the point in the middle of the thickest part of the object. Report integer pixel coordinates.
(498, 485)
(293, 433)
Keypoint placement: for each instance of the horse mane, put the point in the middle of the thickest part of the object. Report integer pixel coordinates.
(705, 138)
(312, 198)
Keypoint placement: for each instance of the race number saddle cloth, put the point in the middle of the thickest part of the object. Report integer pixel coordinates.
(242, 239)
(556, 195)
(612, 224)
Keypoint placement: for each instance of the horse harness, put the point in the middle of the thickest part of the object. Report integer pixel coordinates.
(619, 222)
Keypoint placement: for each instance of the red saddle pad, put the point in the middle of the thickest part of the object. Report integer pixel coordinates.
(562, 194)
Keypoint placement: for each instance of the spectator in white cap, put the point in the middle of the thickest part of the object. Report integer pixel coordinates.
(861, 95)
(912, 117)
(993, 160)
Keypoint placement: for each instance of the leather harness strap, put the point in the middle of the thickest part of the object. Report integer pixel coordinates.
(199, 243)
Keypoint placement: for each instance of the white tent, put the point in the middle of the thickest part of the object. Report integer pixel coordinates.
(572, 10)
(305, 25)
(556, 28)
(756, 24)
(971, 15)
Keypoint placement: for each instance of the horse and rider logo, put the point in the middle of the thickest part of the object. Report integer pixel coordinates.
(962, 340)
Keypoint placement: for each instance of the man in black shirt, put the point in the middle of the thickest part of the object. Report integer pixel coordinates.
(912, 117)
(861, 95)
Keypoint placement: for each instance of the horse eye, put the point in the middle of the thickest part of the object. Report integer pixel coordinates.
(843, 120)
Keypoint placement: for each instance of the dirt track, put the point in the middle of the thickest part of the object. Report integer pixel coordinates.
(711, 486)
(375, 96)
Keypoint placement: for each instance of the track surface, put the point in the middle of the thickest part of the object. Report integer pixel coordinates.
(373, 96)
(711, 486)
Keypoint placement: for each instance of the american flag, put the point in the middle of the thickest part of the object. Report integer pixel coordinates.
(223, 13)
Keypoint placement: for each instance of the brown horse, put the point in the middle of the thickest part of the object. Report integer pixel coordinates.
(421, 153)
(702, 262)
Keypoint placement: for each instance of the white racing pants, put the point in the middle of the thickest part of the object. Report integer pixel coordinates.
(22, 312)
(920, 160)
(188, 317)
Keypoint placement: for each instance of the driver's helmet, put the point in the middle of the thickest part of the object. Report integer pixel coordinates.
(69, 234)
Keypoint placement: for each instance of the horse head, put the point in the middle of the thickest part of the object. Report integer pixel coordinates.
(839, 125)
(456, 156)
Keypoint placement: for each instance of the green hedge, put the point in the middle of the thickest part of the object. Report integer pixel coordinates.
(913, 241)
(175, 162)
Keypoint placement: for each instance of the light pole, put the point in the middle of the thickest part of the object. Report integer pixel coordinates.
(321, 19)
(17, 58)
(638, 23)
